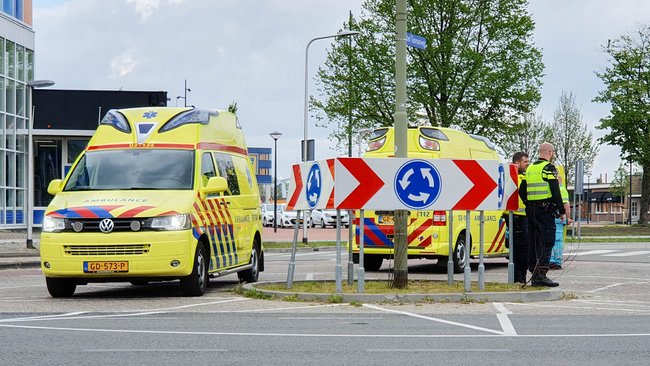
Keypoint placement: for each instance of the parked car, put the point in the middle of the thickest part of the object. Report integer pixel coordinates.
(267, 214)
(288, 218)
(326, 218)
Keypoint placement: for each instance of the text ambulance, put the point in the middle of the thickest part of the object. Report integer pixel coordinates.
(158, 194)
(428, 233)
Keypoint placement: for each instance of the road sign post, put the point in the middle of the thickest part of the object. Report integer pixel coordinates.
(450, 261)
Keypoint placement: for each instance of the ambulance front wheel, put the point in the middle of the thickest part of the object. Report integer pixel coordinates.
(459, 254)
(60, 287)
(197, 282)
(253, 273)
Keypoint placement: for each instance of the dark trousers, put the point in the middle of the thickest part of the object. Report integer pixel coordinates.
(520, 242)
(541, 225)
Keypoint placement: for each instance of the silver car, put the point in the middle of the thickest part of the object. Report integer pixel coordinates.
(326, 218)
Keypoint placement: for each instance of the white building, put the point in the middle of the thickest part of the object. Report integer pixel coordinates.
(16, 69)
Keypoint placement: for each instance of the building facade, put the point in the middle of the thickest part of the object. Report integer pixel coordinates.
(16, 70)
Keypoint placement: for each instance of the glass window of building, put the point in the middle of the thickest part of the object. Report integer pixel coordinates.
(47, 166)
(2, 57)
(10, 49)
(20, 62)
(30, 65)
(10, 97)
(75, 147)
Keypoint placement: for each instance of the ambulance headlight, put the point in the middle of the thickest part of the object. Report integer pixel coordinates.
(53, 224)
(192, 116)
(175, 222)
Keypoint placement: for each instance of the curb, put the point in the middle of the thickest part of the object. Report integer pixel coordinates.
(523, 296)
(21, 264)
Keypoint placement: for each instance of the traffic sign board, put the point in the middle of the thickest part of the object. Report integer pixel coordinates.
(417, 184)
(416, 41)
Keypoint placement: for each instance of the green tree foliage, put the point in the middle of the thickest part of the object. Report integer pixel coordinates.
(480, 71)
(571, 137)
(620, 185)
(526, 135)
(627, 89)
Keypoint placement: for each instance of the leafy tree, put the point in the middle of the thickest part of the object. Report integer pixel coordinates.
(620, 185)
(526, 136)
(627, 89)
(479, 72)
(571, 138)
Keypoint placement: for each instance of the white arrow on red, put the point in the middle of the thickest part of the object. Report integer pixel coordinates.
(369, 184)
(296, 193)
(483, 185)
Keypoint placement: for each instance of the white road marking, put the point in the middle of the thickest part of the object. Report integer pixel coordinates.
(123, 350)
(577, 307)
(604, 287)
(373, 350)
(324, 335)
(506, 324)
(594, 252)
(43, 317)
(627, 254)
(434, 319)
(12, 287)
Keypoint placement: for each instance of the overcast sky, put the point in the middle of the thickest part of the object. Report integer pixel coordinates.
(253, 52)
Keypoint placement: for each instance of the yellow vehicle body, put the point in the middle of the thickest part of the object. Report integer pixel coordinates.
(158, 194)
(428, 231)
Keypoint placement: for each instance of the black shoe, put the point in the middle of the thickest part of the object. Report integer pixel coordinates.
(554, 266)
(520, 280)
(544, 282)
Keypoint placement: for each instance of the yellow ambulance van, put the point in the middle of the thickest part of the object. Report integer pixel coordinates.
(428, 231)
(158, 194)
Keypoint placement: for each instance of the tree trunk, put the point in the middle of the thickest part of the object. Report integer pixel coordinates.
(645, 195)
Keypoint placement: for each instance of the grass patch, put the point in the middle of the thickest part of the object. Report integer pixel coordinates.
(615, 230)
(383, 287)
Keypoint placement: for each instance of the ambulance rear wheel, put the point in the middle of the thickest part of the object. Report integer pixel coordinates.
(197, 282)
(60, 287)
(459, 254)
(253, 273)
(372, 262)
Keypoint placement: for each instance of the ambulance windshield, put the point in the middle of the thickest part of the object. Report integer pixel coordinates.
(133, 169)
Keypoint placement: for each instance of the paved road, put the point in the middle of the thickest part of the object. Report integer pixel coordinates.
(605, 320)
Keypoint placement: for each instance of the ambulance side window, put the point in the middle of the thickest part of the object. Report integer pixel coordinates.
(207, 168)
(227, 170)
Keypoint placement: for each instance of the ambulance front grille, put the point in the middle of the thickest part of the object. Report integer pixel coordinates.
(113, 249)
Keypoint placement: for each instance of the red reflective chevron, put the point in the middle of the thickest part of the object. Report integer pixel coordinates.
(513, 200)
(296, 193)
(369, 183)
(483, 184)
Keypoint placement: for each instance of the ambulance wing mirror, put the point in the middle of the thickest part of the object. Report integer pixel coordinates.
(216, 185)
(55, 187)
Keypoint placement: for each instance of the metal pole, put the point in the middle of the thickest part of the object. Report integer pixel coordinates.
(339, 268)
(275, 187)
(362, 270)
(401, 143)
(350, 254)
(306, 107)
(292, 261)
(30, 175)
(450, 260)
(511, 260)
(481, 266)
(185, 93)
(629, 214)
(468, 238)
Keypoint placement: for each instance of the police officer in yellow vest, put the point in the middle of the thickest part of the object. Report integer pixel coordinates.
(520, 224)
(541, 194)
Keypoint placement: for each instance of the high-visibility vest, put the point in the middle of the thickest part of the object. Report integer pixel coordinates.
(565, 194)
(537, 188)
(522, 206)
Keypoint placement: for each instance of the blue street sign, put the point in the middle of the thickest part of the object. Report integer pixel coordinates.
(416, 41)
(417, 184)
(313, 186)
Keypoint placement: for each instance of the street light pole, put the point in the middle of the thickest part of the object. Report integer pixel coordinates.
(30, 159)
(305, 144)
(275, 136)
(629, 212)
